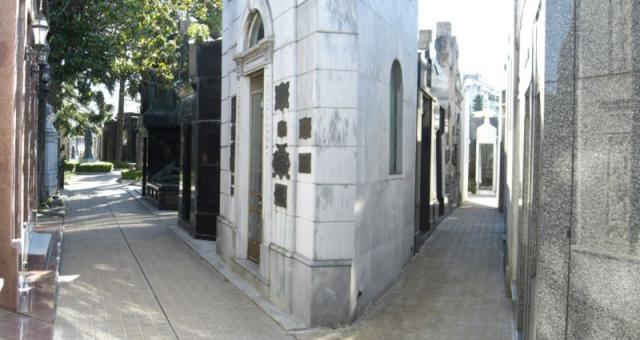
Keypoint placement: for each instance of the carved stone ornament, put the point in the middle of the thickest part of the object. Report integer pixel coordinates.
(281, 163)
(254, 58)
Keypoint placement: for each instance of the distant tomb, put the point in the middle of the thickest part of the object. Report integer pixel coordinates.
(199, 189)
(161, 146)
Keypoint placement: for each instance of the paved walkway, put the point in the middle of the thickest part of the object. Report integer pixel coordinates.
(127, 276)
(452, 289)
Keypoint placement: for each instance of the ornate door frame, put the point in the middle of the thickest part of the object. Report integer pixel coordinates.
(249, 61)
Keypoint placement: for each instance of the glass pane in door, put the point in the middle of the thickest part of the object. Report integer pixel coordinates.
(255, 180)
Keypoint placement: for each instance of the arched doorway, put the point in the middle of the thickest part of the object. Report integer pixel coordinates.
(254, 124)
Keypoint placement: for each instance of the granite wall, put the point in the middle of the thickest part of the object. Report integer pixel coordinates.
(8, 72)
(604, 273)
(586, 273)
(18, 107)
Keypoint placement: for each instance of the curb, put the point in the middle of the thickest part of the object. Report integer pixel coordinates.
(288, 322)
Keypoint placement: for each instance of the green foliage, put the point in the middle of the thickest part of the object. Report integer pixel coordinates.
(68, 176)
(478, 103)
(79, 111)
(98, 42)
(95, 167)
(199, 32)
(70, 166)
(120, 165)
(133, 175)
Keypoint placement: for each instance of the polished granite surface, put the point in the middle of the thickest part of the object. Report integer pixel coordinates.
(42, 270)
(39, 300)
(20, 327)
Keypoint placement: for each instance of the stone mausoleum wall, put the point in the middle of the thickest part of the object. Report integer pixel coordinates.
(337, 228)
(578, 237)
(384, 209)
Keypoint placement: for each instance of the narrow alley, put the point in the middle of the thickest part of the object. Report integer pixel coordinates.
(125, 275)
(319, 169)
(452, 289)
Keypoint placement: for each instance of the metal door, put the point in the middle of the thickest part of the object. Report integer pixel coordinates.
(255, 179)
(486, 166)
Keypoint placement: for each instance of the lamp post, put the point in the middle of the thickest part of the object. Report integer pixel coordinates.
(43, 91)
(39, 55)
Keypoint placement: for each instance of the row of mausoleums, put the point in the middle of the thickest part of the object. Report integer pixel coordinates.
(325, 191)
(318, 169)
(319, 161)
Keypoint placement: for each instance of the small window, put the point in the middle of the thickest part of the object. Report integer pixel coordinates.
(395, 119)
(256, 33)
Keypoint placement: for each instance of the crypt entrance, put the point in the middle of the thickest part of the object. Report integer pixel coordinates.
(253, 152)
(256, 110)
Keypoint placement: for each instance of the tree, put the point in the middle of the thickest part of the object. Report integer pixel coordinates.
(478, 103)
(109, 42)
(80, 58)
(79, 111)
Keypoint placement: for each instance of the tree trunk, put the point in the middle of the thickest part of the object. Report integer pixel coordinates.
(120, 123)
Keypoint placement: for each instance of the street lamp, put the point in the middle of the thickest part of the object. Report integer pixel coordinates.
(40, 30)
(38, 57)
(40, 50)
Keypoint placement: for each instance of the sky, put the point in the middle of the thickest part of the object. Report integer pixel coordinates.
(482, 30)
(130, 105)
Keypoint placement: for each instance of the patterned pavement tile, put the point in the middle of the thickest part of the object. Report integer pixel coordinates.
(452, 289)
(130, 277)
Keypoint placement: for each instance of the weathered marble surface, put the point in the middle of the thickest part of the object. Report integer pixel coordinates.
(326, 55)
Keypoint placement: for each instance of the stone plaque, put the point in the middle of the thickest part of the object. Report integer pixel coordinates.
(282, 129)
(280, 195)
(304, 163)
(305, 128)
(281, 162)
(282, 96)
